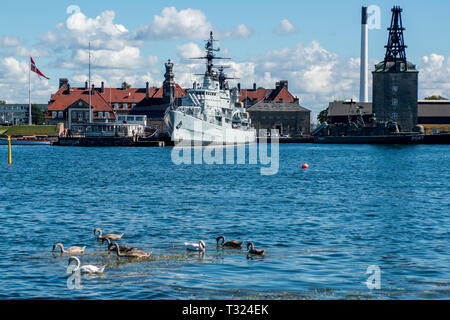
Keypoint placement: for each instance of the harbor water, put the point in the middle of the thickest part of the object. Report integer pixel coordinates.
(385, 208)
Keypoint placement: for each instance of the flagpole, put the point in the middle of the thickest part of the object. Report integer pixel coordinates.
(29, 95)
(90, 111)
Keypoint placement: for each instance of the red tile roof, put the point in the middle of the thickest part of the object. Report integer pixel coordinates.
(179, 92)
(131, 95)
(279, 94)
(284, 95)
(259, 94)
(62, 99)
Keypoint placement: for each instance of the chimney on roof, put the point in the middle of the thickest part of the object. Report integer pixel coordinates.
(103, 88)
(147, 95)
(63, 82)
(68, 88)
(93, 88)
(254, 86)
(239, 87)
(281, 84)
(85, 85)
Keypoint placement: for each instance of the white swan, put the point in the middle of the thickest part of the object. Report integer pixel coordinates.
(192, 246)
(89, 268)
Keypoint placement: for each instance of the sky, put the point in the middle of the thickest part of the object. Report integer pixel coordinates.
(315, 45)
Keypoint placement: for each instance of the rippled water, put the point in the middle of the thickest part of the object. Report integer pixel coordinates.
(356, 206)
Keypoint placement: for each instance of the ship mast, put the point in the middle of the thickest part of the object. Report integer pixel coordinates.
(210, 57)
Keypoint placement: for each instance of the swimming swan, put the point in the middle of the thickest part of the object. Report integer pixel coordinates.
(110, 236)
(192, 246)
(71, 250)
(122, 247)
(89, 268)
(134, 253)
(254, 251)
(231, 243)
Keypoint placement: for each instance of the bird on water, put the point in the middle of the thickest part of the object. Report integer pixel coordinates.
(251, 249)
(122, 247)
(192, 246)
(110, 236)
(71, 250)
(230, 244)
(89, 268)
(134, 253)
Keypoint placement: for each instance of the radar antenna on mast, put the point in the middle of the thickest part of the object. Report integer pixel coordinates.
(210, 57)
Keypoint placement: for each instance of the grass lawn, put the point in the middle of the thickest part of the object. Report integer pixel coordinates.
(29, 130)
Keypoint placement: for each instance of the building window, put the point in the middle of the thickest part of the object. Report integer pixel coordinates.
(133, 105)
(107, 115)
(54, 114)
(60, 115)
(394, 101)
(125, 105)
(116, 106)
(100, 115)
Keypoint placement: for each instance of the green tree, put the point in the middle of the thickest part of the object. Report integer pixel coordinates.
(126, 85)
(38, 116)
(323, 116)
(2, 102)
(435, 98)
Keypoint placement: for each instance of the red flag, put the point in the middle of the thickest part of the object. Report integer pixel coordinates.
(35, 69)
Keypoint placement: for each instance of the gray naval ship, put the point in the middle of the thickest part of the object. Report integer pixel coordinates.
(210, 113)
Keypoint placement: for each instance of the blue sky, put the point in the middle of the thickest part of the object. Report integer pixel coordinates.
(318, 52)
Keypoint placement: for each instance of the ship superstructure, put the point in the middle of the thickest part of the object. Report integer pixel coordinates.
(210, 113)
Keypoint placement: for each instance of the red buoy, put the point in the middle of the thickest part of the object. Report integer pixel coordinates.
(305, 166)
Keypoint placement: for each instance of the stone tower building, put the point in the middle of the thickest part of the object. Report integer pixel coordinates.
(395, 81)
(168, 84)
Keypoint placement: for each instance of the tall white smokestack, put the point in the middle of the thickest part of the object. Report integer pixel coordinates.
(364, 80)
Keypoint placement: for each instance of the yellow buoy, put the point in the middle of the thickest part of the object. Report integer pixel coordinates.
(9, 150)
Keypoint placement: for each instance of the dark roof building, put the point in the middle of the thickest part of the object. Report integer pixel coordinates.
(280, 110)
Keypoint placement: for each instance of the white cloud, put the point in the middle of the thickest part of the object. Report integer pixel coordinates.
(126, 58)
(185, 24)
(7, 42)
(14, 82)
(434, 76)
(285, 27)
(173, 24)
(189, 50)
(112, 45)
(241, 31)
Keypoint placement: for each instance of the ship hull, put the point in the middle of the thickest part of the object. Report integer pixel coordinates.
(386, 139)
(185, 129)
